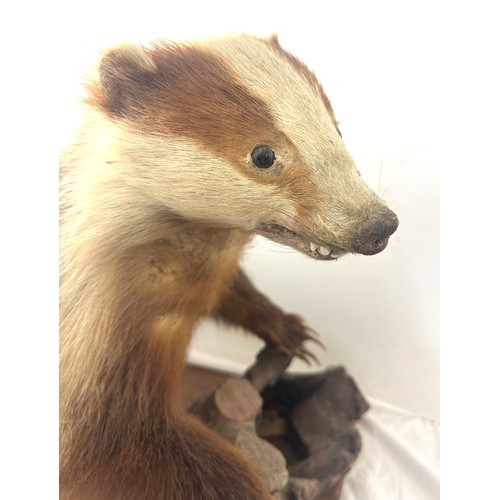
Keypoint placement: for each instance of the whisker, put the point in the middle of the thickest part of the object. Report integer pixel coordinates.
(379, 176)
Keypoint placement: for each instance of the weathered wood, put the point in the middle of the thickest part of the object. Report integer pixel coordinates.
(335, 458)
(267, 459)
(234, 399)
(307, 422)
(331, 490)
(269, 366)
(231, 410)
(272, 425)
(327, 415)
(299, 488)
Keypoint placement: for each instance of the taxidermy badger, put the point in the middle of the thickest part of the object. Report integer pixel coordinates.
(185, 152)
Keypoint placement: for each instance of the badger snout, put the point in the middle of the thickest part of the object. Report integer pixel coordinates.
(372, 235)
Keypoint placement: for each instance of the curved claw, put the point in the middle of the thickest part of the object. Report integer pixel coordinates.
(308, 357)
(304, 354)
(285, 350)
(291, 342)
(314, 336)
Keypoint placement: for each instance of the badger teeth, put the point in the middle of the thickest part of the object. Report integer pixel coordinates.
(324, 251)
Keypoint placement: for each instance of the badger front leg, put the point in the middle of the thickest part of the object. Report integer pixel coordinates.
(243, 305)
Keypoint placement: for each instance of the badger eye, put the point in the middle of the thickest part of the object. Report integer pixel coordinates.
(263, 157)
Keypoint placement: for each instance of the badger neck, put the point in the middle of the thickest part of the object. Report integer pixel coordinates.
(130, 295)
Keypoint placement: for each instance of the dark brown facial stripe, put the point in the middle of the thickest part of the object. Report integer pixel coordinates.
(191, 94)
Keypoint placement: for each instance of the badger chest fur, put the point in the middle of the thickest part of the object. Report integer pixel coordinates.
(185, 152)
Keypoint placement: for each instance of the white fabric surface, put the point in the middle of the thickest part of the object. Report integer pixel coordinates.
(399, 458)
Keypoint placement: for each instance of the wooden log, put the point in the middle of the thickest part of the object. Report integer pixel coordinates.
(269, 366)
(268, 460)
(307, 421)
(232, 402)
(328, 414)
(272, 425)
(319, 410)
(331, 490)
(231, 410)
(299, 488)
(334, 459)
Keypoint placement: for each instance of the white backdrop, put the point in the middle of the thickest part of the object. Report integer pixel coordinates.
(379, 315)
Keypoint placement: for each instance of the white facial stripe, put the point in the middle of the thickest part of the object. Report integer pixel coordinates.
(181, 175)
(298, 109)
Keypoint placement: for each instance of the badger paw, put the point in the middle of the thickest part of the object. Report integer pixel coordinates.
(295, 333)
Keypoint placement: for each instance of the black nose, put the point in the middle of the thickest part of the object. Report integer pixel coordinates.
(372, 235)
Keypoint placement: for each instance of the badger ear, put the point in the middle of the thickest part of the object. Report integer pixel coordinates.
(273, 40)
(125, 72)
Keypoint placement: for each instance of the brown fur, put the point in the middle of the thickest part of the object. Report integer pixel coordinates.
(124, 437)
(158, 198)
(214, 110)
(244, 306)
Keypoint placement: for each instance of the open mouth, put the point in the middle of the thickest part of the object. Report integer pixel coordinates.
(285, 236)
